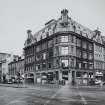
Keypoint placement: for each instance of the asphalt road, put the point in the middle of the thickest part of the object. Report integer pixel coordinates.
(66, 95)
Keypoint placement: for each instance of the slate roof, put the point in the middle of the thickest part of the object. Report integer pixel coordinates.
(63, 24)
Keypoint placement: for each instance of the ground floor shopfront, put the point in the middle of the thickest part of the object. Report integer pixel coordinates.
(80, 77)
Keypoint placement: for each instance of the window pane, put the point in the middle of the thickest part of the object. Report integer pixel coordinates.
(72, 38)
(90, 56)
(64, 50)
(44, 55)
(78, 74)
(84, 54)
(38, 57)
(43, 65)
(90, 46)
(65, 63)
(90, 65)
(38, 67)
(84, 44)
(78, 64)
(38, 48)
(44, 46)
(84, 65)
(78, 42)
(78, 53)
(50, 52)
(50, 43)
(64, 38)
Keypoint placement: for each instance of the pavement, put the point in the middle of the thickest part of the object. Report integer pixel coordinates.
(31, 86)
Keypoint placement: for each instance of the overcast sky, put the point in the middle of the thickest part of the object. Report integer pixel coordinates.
(16, 16)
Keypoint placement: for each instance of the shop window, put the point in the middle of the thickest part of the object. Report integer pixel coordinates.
(64, 39)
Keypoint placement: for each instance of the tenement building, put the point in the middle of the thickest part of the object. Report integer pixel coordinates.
(15, 67)
(5, 58)
(64, 50)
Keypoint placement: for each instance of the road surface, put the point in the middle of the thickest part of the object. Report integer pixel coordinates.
(65, 95)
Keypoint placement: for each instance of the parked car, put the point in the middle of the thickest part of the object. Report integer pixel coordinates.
(9, 81)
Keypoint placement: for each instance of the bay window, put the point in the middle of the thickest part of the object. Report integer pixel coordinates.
(64, 50)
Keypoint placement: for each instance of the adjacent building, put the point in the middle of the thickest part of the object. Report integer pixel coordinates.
(64, 49)
(5, 58)
(16, 67)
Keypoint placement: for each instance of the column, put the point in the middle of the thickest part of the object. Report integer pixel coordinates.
(70, 76)
(60, 75)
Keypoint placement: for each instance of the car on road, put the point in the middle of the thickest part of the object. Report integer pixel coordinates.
(9, 81)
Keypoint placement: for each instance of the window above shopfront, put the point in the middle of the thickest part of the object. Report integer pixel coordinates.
(84, 55)
(78, 53)
(65, 63)
(78, 42)
(84, 44)
(50, 43)
(64, 50)
(44, 56)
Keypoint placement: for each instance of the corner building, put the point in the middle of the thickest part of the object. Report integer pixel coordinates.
(63, 49)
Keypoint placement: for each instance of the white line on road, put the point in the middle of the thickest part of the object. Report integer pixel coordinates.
(17, 100)
(52, 97)
(82, 98)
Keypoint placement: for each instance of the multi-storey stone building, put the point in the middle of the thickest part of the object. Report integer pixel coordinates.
(5, 58)
(63, 49)
(16, 66)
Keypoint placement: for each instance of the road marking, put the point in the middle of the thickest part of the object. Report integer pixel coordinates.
(84, 101)
(17, 100)
(52, 97)
(82, 98)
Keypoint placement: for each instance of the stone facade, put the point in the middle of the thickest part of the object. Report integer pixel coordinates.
(63, 49)
(16, 66)
(5, 58)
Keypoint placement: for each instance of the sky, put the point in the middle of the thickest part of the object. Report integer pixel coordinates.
(17, 16)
